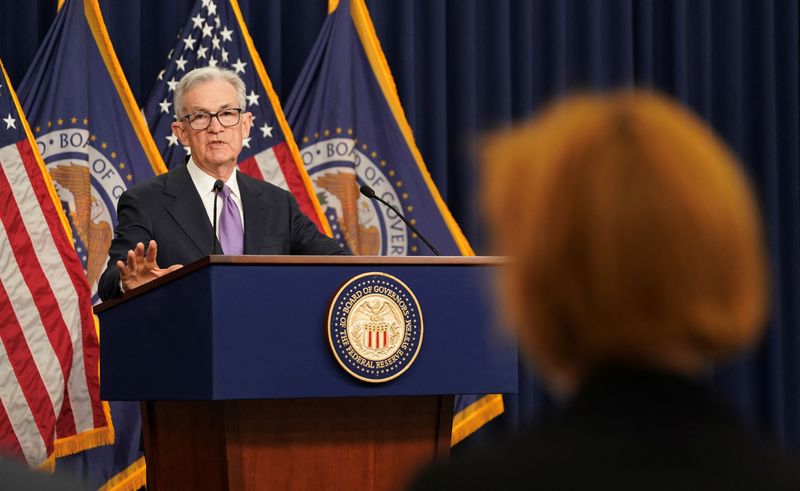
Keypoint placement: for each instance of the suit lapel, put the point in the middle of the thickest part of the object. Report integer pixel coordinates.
(255, 213)
(187, 209)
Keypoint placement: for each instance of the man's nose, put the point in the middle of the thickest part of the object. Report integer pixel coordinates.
(215, 126)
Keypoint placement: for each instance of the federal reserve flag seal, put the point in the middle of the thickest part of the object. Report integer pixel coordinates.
(375, 327)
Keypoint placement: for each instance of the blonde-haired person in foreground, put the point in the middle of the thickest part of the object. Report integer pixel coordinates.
(637, 260)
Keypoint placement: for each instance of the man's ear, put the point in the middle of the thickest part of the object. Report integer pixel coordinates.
(179, 131)
(247, 123)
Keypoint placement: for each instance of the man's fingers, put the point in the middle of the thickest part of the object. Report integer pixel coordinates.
(173, 268)
(139, 250)
(151, 252)
(139, 264)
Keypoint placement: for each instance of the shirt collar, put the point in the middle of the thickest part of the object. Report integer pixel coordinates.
(205, 183)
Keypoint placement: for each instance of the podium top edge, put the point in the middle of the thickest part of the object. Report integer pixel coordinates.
(306, 261)
(377, 260)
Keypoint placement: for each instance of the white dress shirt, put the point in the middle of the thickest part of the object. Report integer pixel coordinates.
(205, 188)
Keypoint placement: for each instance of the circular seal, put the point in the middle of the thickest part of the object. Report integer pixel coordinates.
(375, 327)
(338, 167)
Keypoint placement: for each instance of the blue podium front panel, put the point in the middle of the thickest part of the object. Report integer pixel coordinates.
(259, 331)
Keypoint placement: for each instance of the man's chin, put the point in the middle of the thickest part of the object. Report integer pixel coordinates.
(216, 161)
(220, 158)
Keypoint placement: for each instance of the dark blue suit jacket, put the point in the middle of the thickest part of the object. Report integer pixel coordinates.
(169, 210)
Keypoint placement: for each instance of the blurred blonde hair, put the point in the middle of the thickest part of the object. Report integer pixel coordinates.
(631, 228)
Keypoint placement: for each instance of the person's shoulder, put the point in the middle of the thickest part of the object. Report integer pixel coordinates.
(173, 182)
(761, 463)
(508, 465)
(268, 189)
(552, 457)
(150, 186)
(259, 183)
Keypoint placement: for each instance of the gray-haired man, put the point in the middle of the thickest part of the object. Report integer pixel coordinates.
(172, 213)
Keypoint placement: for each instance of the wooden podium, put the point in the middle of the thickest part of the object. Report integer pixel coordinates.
(240, 389)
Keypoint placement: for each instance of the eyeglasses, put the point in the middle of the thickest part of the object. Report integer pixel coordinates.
(201, 120)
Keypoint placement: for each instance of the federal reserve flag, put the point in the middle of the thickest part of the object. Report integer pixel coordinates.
(49, 380)
(87, 127)
(215, 35)
(347, 116)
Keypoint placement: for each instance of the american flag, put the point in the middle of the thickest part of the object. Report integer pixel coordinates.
(95, 144)
(216, 35)
(49, 387)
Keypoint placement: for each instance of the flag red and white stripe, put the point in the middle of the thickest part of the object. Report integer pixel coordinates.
(277, 165)
(49, 354)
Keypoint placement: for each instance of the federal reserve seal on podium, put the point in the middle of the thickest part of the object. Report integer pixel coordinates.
(375, 327)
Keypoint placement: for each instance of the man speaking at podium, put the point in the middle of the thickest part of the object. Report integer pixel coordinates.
(173, 214)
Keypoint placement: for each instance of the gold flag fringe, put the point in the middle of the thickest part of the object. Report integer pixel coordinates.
(132, 478)
(477, 414)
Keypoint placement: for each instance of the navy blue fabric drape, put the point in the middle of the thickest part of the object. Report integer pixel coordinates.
(464, 67)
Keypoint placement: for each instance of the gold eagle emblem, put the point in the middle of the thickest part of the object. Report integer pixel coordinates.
(361, 240)
(86, 216)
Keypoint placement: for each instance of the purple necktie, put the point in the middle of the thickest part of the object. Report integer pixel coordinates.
(231, 235)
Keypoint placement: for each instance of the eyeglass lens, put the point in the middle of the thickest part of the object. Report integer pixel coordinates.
(202, 120)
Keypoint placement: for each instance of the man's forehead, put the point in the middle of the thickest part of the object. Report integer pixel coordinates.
(214, 94)
(208, 106)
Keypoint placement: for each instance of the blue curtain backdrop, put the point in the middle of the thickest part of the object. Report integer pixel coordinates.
(464, 67)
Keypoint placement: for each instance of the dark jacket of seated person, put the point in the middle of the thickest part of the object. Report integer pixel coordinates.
(636, 261)
(628, 428)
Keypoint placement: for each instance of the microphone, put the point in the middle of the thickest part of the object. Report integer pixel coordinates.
(218, 184)
(370, 193)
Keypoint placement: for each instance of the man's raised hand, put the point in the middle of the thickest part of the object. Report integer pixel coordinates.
(142, 268)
